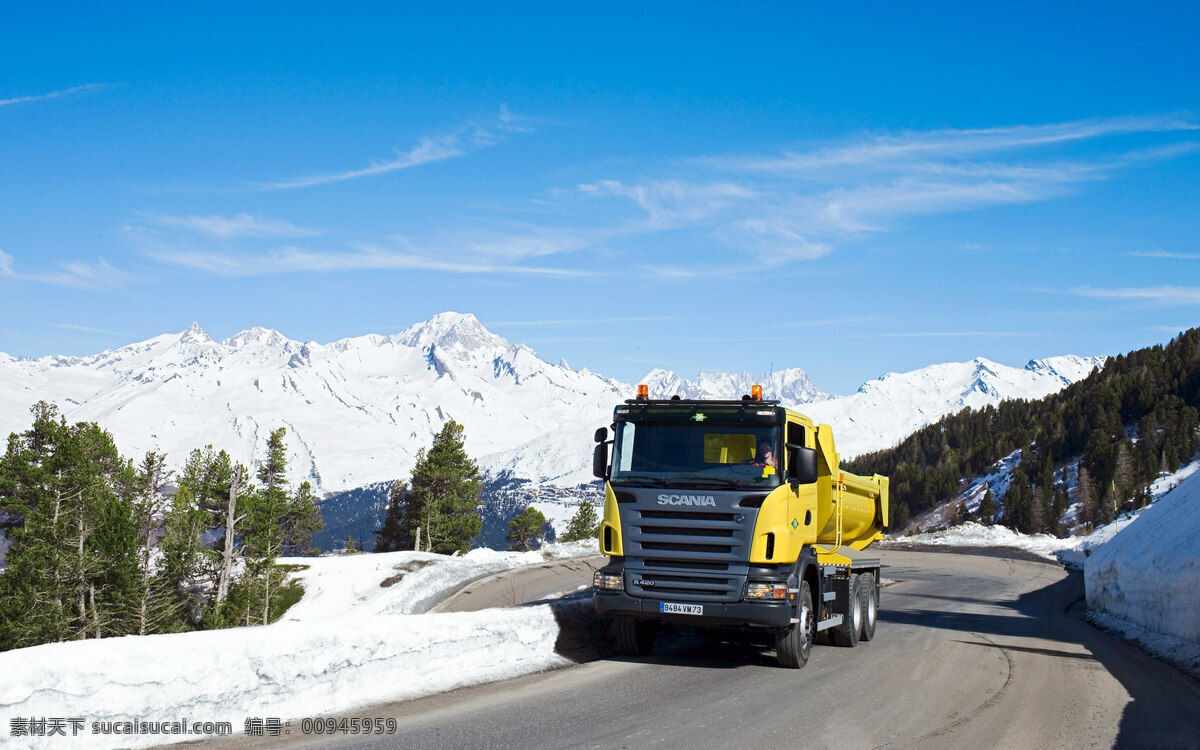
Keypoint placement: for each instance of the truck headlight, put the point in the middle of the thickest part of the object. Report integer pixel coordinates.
(777, 591)
(607, 582)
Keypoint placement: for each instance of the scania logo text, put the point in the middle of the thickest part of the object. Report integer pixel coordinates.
(701, 500)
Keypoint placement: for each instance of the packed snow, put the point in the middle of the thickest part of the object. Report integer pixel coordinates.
(359, 636)
(1147, 576)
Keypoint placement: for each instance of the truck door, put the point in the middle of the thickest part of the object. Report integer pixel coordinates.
(802, 501)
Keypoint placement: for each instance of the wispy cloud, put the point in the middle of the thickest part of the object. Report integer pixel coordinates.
(427, 150)
(53, 94)
(587, 321)
(296, 260)
(74, 274)
(934, 147)
(866, 336)
(674, 201)
(802, 205)
(239, 225)
(1165, 254)
(470, 136)
(86, 329)
(833, 321)
(1158, 295)
(947, 334)
(705, 217)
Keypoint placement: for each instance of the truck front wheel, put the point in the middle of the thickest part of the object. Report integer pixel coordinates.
(792, 646)
(636, 637)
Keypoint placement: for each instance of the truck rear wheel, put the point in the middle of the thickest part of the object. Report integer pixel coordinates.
(636, 637)
(870, 606)
(846, 634)
(792, 646)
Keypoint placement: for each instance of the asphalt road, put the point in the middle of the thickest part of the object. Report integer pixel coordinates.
(971, 652)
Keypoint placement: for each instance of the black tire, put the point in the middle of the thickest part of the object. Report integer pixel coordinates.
(846, 634)
(636, 637)
(793, 646)
(870, 606)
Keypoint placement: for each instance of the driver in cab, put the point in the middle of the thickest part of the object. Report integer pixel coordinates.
(764, 457)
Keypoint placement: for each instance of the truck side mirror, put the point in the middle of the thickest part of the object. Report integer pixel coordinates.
(601, 434)
(802, 464)
(600, 459)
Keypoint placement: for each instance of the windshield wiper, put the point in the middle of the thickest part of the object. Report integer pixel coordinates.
(642, 481)
(714, 481)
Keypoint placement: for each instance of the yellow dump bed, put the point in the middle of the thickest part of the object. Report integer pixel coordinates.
(852, 511)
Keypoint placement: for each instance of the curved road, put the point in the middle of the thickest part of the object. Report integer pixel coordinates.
(971, 651)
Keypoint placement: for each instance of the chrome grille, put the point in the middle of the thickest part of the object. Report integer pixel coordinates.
(684, 554)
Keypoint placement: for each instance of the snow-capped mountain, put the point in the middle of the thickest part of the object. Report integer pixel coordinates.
(359, 410)
(789, 386)
(885, 411)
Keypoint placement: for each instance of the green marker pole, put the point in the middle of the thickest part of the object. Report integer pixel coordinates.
(1116, 520)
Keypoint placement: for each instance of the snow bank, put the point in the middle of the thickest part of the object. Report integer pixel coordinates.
(404, 583)
(348, 643)
(972, 534)
(1149, 573)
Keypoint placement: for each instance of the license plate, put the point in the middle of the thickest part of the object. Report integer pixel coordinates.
(671, 608)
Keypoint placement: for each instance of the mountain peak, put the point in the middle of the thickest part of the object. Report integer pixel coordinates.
(195, 334)
(452, 331)
(792, 386)
(256, 335)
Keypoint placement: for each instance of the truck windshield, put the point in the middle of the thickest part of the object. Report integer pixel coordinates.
(696, 455)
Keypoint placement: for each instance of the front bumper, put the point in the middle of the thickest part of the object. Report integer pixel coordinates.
(773, 615)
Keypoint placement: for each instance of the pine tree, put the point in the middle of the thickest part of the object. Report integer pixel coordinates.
(525, 529)
(583, 524)
(156, 605)
(445, 494)
(987, 508)
(350, 548)
(72, 566)
(1085, 496)
(1105, 509)
(184, 566)
(391, 536)
(301, 520)
(1123, 475)
(960, 514)
(217, 485)
(33, 594)
(1016, 515)
(265, 511)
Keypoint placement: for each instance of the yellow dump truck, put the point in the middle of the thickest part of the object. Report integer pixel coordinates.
(734, 516)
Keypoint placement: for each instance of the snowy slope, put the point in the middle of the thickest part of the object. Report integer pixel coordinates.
(885, 411)
(357, 638)
(359, 410)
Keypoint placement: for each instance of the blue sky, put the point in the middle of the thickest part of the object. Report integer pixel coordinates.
(624, 185)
